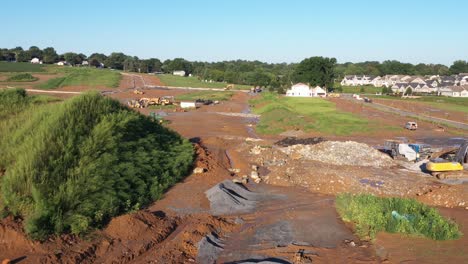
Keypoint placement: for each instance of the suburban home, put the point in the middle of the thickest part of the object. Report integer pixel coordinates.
(355, 80)
(432, 83)
(377, 81)
(319, 92)
(390, 80)
(454, 91)
(36, 61)
(299, 90)
(417, 79)
(62, 63)
(399, 87)
(179, 73)
(85, 63)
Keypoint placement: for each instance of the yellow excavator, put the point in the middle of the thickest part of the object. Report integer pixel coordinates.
(450, 164)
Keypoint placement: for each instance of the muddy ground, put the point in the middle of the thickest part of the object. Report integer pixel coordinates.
(288, 217)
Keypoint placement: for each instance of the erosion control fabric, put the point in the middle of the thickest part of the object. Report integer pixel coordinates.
(76, 164)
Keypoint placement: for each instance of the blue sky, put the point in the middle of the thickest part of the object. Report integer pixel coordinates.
(273, 31)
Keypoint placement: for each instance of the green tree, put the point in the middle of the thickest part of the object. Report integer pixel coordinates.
(459, 66)
(72, 58)
(116, 60)
(154, 65)
(49, 55)
(23, 56)
(316, 71)
(35, 52)
(96, 59)
(408, 91)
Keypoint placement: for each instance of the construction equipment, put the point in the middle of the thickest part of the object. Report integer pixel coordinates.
(450, 164)
(411, 152)
(136, 91)
(229, 87)
(334, 95)
(145, 102)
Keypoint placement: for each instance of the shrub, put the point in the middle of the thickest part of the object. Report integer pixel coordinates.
(395, 215)
(23, 77)
(81, 162)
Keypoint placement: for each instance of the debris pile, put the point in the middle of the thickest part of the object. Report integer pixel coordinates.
(289, 141)
(340, 153)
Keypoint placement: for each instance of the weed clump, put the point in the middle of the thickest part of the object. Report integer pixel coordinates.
(373, 214)
(22, 77)
(71, 166)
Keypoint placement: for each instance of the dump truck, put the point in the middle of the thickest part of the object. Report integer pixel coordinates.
(450, 164)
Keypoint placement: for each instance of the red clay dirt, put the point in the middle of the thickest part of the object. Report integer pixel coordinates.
(169, 230)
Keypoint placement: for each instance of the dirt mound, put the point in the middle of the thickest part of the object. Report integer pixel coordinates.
(289, 141)
(340, 153)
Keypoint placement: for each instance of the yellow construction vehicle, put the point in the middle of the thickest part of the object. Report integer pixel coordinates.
(450, 164)
(136, 91)
(229, 87)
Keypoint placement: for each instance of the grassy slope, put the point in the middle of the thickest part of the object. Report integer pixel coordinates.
(89, 77)
(395, 215)
(178, 81)
(20, 67)
(71, 166)
(279, 114)
(206, 95)
(443, 103)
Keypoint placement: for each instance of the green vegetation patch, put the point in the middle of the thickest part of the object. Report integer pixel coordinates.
(459, 104)
(88, 77)
(179, 81)
(205, 95)
(372, 214)
(71, 166)
(20, 67)
(279, 114)
(22, 77)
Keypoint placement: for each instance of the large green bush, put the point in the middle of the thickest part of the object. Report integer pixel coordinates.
(72, 166)
(373, 214)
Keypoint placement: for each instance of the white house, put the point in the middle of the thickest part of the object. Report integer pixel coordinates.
(85, 63)
(62, 63)
(377, 81)
(303, 90)
(179, 73)
(454, 91)
(36, 61)
(299, 90)
(319, 92)
(355, 80)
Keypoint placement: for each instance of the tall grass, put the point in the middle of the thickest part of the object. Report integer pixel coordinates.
(72, 166)
(373, 214)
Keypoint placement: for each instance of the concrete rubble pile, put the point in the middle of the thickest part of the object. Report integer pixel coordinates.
(340, 153)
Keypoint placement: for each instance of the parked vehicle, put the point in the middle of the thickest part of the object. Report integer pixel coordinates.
(411, 125)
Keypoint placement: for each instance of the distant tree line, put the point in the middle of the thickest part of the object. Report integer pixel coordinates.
(275, 76)
(376, 68)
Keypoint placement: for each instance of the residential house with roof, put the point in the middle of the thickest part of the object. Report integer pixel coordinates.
(454, 91)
